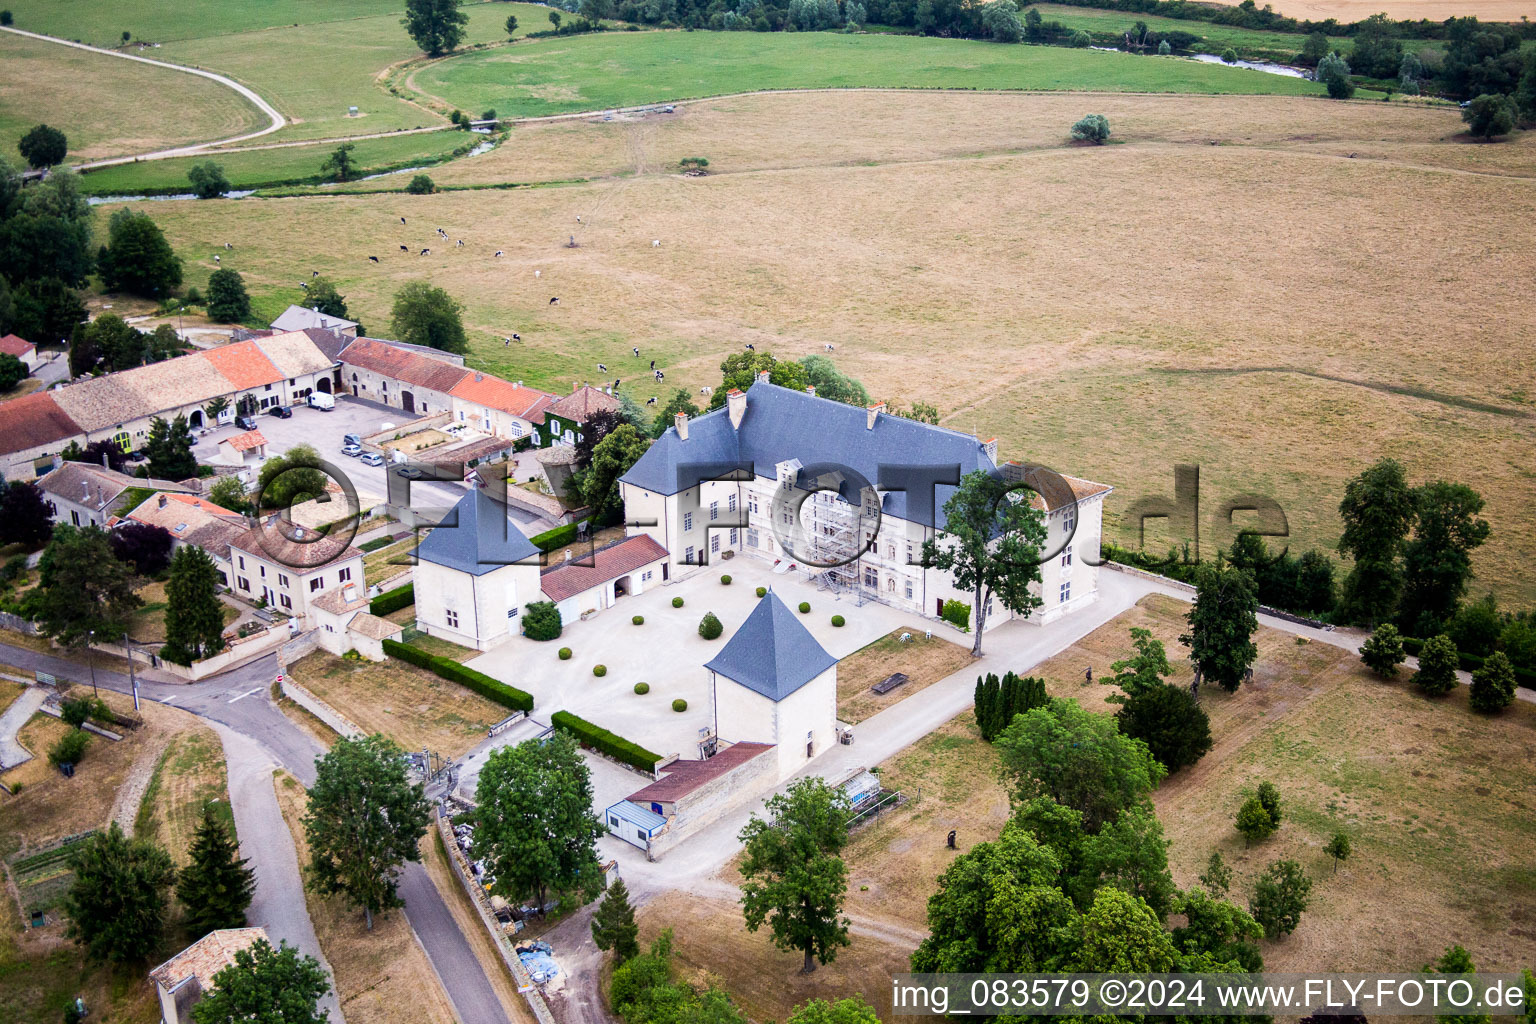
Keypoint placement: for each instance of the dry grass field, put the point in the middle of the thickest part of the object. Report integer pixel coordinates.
(191, 775)
(924, 660)
(1108, 311)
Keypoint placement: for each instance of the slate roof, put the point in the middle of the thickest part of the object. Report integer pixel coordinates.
(14, 345)
(330, 343)
(607, 563)
(34, 421)
(772, 652)
(780, 424)
(476, 537)
(244, 364)
(494, 393)
(683, 777)
(582, 403)
(297, 318)
(295, 352)
(206, 957)
(398, 364)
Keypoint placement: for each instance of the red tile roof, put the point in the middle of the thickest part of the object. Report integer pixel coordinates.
(609, 563)
(33, 421)
(683, 777)
(399, 364)
(244, 364)
(583, 402)
(495, 393)
(12, 345)
(246, 441)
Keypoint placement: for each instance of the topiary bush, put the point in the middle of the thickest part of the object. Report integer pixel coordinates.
(599, 670)
(762, 591)
(725, 581)
(805, 607)
(565, 654)
(709, 627)
(642, 688)
(679, 705)
(837, 620)
(677, 602)
(541, 620)
(638, 620)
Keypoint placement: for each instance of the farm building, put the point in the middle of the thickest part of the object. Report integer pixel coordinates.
(84, 494)
(298, 318)
(181, 981)
(21, 348)
(194, 521)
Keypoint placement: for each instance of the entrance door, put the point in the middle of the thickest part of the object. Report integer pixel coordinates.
(408, 401)
(939, 610)
(324, 385)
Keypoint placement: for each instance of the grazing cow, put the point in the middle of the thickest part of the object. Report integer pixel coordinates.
(314, 274)
(537, 274)
(228, 246)
(216, 259)
(655, 243)
(404, 249)
(636, 351)
(751, 347)
(516, 336)
(600, 366)
(555, 301)
(499, 254)
(616, 382)
(373, 259)
(402, 220)
(830, 347)
(459, 243)
(651, 400)
(505, 342)
(304, 285)
(653, 366)
(426, 252)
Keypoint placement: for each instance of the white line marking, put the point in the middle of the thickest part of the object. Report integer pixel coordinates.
(244, 695)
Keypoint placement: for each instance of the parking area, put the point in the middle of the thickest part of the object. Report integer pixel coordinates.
(668, 653)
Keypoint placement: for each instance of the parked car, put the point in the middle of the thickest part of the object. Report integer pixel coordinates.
(245, 422)
(351, 439)
(282, 412)
(353, 450)
(409, 472)
(372, 459)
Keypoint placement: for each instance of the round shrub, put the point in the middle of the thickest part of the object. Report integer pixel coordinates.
(599, 670)
(725, 581)
(677, 602)
(805, 607)
(1229, 56)
(1081, 39)
(642, 688)
(638, 620)
(762, 591)
(837, 620)
(709, 627)
(421, 185)
(565, 654)
(541, 620)
(679, 705)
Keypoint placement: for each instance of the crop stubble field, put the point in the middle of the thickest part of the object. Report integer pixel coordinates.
(1108, 311)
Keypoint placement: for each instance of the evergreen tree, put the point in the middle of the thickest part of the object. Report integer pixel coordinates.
(169, 447)
(613, 925)
(216, 887)
(194, 617)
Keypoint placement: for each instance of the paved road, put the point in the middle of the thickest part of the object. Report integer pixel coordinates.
(240, 700)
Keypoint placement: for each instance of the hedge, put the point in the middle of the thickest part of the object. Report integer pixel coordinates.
(393, 600)
(1472, 662)
(559, 537)
(605, 742)
(447, 668)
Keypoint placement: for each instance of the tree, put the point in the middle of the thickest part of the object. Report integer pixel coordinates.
(612, 457)
(422, 184)
(1338, 848)
(1437, 562)
(595, 10)
(739, 372)
(1170, 722)
(1222, 622)
(1456, 960)
(1122, 935)
(43, 146)
(554, 19)
(117, 902)
(830, 382)
(46, 232)
(208, 180)
(1269, 799)
(1217, 877)
(1490, 115)
(511, 25)
(97, 453)
(138, 259)
(1377, 52)
(1000, 18)
(24, 516)
(265, 985)
(1333, 71)
(1131, 854)
(1382, 651)
(163, 343)
(613, 925)
(365, 819)
(1525, 93)
(227, 301)
(793, 876)
(598, 425)
(853, 1010)
(1079, 759)
(1438, 661)
(1253, 821)
(1091, 128)
(437, 26)
(1229, 56)
(428, 316)
(1223, 930)
(194, 617)
(1493, 684)
(1081, 39)
(106, 343)
(1377, 510)
(1163, 49)
(216, 886)
(1409, 71)
(1146, 670)
(642, 992)
(541, 620)
(229, 493)
(47, 309)
(710, 627)
(144, 546)
(291, 478)
(680, 402)
(534, 825)
(990, 544)
(339, 165)
(1313, 49)
(82, 588)
(12, 371)
(1280, 898)
(169, 447)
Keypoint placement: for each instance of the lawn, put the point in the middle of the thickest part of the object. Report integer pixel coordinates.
(925, 660)
(39, 734)
(411, 706)
(387, 562)
(595, 72)
(190, 775)
(110, 107)
(147, 625)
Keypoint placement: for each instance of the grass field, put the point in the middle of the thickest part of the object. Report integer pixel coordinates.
(149, 21)
(99, 102)
(147, 624)
(925, 661)
(189, 776)
(1434, 10)
(1215, 37)
(558, 76)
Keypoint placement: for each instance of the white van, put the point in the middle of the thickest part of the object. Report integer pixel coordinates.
(320, 400)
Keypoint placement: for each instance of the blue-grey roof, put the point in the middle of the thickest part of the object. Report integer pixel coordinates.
(633, 813)
(771, 652)
(781, 424)
(477, 537)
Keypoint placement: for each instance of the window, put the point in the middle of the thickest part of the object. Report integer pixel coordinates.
(74, 517)
(1069, 521)
(640, 833)
(910, 559)
(714, 542)
(752, 503)
(645, 577)
(730, 503)
(517, 428)
(733, 536)
(1066, 592)
(452, 617)
(269, 387)
(343, 575)
(714, 511)
(687, 521)
(1066, 557)
(244, 583)
(285, 600)
(752, 539)
(512, 612)
(909, 590)
(461, 415)
(241, 560)
(871, 578)
(282, 580)
(316, 583)
(262, 570)
(688, 554)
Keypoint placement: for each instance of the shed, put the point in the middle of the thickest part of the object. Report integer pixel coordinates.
(633, 824)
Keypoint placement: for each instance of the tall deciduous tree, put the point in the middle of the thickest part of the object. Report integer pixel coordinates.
(208, 180)
(339, 165)
(216, 887)
(365, 819)
(47, 233)
(740, 371)
(118, 899)
(97, 453)
(437, 26)
(12, 372)
(1490, 115)
(611, 458)
(47, 310)
(1122, 935)
(830, 382)
(266, 986)
(990, 545)
(82, 588)
(534, 825)
(794, 878)
(680, 402)
(853, 1010)
(1382, 651)
(1222, 622)
(429, 316)
(144, 546)
(1438, 662)
(137, 258)
(291, 478)
(43, 146)
(227, 301)
(194, 618)
(229, 493)
(1280, 898)
(1145, 670)
(1377, 510)
(613, 925)
(323, 297)
(169, 447)
(1456, 960)
(24, 517)
(1437, 562)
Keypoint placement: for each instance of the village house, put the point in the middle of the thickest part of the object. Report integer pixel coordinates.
(564, 419)
(289, 566)
(591, 581)
(246, 451)
(474, 572)
(85, 494)
(298, 318)
(195, 522)
(343, 623)
(399, 376)
(22, 349)
(183, 979)
(506, 409)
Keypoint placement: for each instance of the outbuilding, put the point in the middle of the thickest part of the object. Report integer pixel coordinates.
(591, 582)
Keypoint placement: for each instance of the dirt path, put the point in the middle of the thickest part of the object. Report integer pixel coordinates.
(125, 807)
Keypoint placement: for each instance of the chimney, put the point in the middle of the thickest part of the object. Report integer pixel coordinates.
(736, 403)
(162, 502)
(762, 377)
(479, 377)
(874, 412)
(810, 389)
(85, 491)
(990, 447)
(517, 384)
(680, 421)
(575, 386)
(349, 593)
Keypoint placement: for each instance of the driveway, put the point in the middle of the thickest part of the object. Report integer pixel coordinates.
(17, 715)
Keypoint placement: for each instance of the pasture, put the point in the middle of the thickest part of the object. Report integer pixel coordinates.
(1233, 285)
(1433, 10)
(1215, 37)
(150, 21)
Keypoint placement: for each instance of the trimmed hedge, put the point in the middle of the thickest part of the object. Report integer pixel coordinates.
(677, 602)
(642, 688)
(393, 600)
(375, 544)
(638, 620)
(565, 654)
(725, 581)
(605, 742)
(762, 591)
(447, 668)
(805, 607)
(559, 537)
(599, 670)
